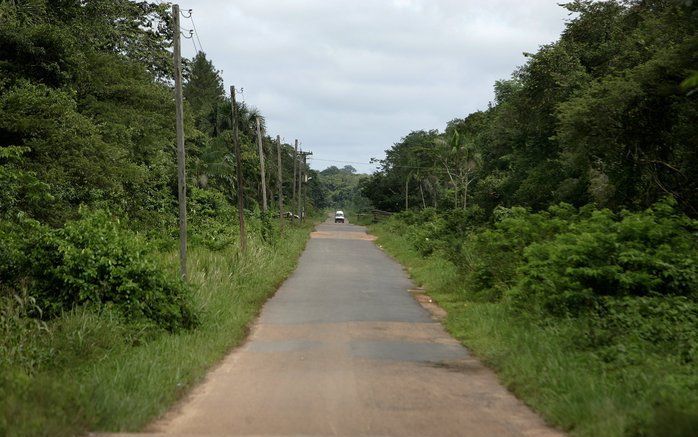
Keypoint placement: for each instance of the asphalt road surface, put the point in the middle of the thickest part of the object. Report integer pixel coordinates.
(345, 349)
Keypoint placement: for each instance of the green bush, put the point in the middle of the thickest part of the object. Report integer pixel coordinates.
(650, 253)
(213, 221)
(93, 260)
(21, 189)
(426, 230)
(19, 331)
(624, 331)
(562, 259)
(433, 231)
(488, 258)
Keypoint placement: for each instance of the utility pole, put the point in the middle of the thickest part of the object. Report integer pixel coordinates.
(300, 185)
(279, 183)
(181, 159)
(238, 167)
(301, 203)
(295, 173)
(261, 166)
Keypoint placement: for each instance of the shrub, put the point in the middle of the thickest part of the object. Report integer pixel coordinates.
(213, 221)
(663, 325)
(650, 253)
(488, 259)
(19, 332)
(427, 231)
(21, 189)
(430, 230)
(93, 260)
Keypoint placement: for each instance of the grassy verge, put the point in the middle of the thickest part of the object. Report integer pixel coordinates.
(361, 219)
(572, 388)
(102, 380)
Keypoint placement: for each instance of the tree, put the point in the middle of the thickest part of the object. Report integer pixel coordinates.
(203, 89)
(460, 161)
(340, 188)
(605, 115)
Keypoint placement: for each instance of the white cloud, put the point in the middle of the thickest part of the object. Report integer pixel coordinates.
(350, 78)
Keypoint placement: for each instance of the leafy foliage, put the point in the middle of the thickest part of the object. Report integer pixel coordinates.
(562, 261)
(204, 87)
(598, 116)
(648, 254)
(22, 190)
(339, 188)
(213, 221)
(93, 260)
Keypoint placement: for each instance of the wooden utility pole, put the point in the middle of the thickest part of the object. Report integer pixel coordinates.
(279, 183)
(300, 185)
(181, 158)
(261, 165)
(238, 169)
(304, 179)
(295, 175)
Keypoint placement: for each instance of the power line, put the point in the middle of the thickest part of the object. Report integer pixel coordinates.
(196, 32)
(193, 32)
(377, 164)
(343, 162)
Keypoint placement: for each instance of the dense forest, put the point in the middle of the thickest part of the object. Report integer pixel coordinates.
(599, 117)
(88, 217)
(558, 226)
(339, 189)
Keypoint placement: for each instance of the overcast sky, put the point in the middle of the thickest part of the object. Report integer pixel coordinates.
(349, 78)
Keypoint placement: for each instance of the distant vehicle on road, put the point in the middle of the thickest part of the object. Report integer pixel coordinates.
(339, 217)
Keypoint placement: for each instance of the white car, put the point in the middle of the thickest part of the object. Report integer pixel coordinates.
(339, 217)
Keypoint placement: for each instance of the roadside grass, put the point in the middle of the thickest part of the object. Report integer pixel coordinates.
(572, 388)
(361, 219)
(104, 376)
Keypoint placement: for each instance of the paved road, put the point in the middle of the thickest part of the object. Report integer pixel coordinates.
(344, 349)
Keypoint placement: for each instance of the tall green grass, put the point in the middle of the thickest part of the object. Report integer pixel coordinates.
(100, 376)
(571, 388)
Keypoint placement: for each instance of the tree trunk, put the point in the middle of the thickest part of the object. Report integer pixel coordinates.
(407, 193)
(421, 192)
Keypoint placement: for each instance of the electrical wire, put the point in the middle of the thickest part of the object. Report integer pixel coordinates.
(377, 164)
(342, 162)
(196, 33)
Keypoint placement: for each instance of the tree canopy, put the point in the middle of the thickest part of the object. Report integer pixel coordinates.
(599, 116)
